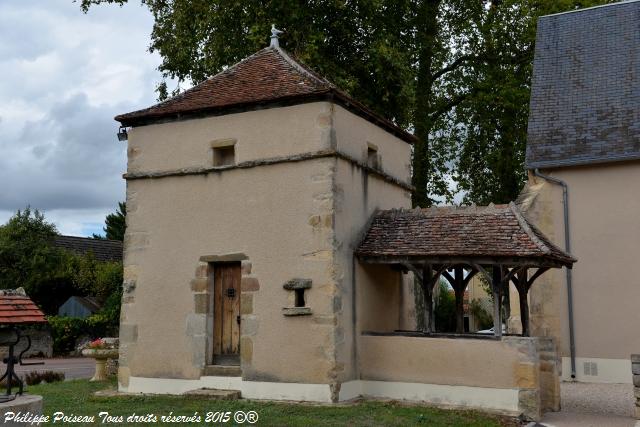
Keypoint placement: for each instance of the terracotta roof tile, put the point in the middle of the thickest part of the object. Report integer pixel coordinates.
(493, 231)
(15, 308)
(270, 75)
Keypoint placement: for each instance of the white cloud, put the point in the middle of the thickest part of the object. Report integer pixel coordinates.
(65, 75)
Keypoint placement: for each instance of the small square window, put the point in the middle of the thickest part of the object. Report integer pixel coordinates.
(224, 156)
(300, 298)
(372, 157)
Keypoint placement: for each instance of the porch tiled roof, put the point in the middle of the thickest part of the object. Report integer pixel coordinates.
(16, 307)
(269, 76)
(495, 231)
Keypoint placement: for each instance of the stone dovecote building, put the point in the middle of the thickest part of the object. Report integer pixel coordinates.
(584, 138)
(248, 196)
(261, 178)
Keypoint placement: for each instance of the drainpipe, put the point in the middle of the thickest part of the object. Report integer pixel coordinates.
(567, 247)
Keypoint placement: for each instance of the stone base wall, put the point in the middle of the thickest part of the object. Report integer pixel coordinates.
(526, 370)
(635, 370)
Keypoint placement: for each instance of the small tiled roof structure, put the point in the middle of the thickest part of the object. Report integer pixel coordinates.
(496, 233)
(585, 90)
(17, 308)
(270, 77)
(102, 249)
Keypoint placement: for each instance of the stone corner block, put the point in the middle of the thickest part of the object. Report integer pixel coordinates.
(249, 284)
(296, 311)
(297, 284)
(200, 285)
(529, 405)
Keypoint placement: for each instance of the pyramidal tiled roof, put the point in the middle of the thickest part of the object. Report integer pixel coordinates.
(16, 307)
(494, 231)
(267, 77)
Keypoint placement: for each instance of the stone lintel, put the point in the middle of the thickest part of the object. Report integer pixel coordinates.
(224, 258)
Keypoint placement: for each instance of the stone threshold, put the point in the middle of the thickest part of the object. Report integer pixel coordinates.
(222, 371)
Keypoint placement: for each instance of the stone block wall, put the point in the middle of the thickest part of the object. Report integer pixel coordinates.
(41, 344)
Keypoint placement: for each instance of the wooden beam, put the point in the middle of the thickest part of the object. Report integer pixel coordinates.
(415, 270)
(539, 272)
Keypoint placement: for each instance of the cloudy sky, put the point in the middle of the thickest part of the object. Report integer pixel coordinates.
(64, 76)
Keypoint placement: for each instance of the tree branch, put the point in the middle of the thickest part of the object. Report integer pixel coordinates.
(455, 101)
(455, 64)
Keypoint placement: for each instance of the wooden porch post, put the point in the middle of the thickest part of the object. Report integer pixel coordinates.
(521, 286)
(496, 287)
(506, 300)
(427, 291)
(458, 288)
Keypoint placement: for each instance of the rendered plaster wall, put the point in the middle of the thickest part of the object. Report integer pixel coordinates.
(279, 217)
(605, 238)
(261, 134)
(375, 295)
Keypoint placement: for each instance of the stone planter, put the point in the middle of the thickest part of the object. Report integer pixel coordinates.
(101, 356)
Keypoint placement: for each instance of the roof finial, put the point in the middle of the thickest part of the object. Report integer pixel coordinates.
(274, 36)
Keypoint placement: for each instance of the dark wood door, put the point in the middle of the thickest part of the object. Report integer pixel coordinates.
(226, 313)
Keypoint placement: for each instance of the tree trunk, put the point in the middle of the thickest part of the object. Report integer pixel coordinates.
(427, 31)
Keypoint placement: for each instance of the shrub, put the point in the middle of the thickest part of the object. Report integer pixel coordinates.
(52, 377)
(35, 378)
(65, 331)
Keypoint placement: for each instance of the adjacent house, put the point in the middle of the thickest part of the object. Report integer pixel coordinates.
(271, 248)
(102, 249)
(583, 157)
(77, 306)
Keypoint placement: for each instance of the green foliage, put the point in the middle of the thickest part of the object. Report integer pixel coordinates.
(28, 258)
(65, 331)
(445, 312)
(115, 224)
(483, 318)
(456, 72)
(50, 276)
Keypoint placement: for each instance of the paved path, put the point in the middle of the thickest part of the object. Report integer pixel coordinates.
(73, 368)
(597, 405)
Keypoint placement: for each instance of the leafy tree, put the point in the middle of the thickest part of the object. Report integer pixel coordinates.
(115, 224)
(27, 256)
(456, 72)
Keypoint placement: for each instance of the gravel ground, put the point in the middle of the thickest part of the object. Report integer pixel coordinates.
(606, 399)
(593, 405)
(73, 368)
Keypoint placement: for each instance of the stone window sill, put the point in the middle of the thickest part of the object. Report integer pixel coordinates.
(296, 311)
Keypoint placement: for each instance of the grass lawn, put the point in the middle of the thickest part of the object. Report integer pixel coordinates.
(76, 398)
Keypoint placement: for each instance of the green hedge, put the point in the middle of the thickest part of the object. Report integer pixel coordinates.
(66, 330)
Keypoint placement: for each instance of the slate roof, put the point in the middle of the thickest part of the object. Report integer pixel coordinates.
(494, 231)
(585, 95)
(268, 77)
(103, 249)
(17, 308)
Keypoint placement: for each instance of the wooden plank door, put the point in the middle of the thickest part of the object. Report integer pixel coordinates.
(226, 313)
